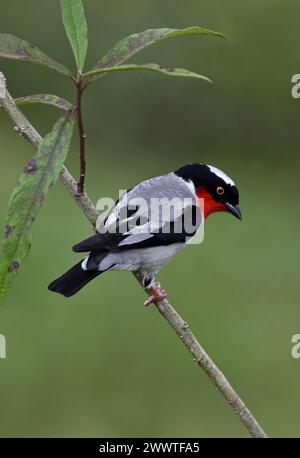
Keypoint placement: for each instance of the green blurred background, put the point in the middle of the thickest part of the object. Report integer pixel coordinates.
(100, 364)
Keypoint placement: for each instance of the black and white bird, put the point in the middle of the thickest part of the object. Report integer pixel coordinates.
(150, 224)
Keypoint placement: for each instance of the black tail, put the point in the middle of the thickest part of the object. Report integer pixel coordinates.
(73, 280)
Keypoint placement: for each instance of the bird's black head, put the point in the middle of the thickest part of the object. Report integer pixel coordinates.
(214, 186)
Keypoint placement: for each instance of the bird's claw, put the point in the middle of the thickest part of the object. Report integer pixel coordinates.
(156, 294)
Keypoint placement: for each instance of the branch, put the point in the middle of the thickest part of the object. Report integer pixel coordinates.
(24, 128)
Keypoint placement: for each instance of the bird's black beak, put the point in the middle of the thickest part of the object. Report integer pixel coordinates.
(234, 210)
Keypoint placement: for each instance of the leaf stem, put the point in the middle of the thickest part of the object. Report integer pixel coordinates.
(82, 136)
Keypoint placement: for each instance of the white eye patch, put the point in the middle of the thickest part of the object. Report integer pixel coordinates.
(221, 175)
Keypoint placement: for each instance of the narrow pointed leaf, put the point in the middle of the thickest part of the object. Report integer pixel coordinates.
(76, 29)
(46, 99)
(170, 71)
(39, 174)
(12, 47)
(136, 42)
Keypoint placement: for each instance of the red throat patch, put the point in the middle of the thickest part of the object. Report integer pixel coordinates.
(210, 205)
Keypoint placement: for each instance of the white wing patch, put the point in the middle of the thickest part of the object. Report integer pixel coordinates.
(135, 238)
(84, 263)
(221, 175)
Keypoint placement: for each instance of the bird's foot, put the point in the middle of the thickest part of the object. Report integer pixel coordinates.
(156, 294)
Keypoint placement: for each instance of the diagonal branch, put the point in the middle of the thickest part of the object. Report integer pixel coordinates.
(201, 358)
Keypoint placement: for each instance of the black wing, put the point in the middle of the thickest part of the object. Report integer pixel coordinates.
(178, 231)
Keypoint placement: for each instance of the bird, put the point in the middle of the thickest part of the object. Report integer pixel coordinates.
(149, 224)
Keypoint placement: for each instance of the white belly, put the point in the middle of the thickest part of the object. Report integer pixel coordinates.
(145, 260)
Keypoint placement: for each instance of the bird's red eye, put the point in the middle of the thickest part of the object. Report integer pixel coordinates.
(220, 190)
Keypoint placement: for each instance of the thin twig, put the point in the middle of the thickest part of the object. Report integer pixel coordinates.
(82, 136)
(181, 328)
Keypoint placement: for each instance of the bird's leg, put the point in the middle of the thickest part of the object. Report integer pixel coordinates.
(155, 291)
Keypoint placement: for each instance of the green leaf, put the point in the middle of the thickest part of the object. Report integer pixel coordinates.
(12, 47)
(39, 174)
(136, 42)
(46, 99)
(76, 29)
(170, 71)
